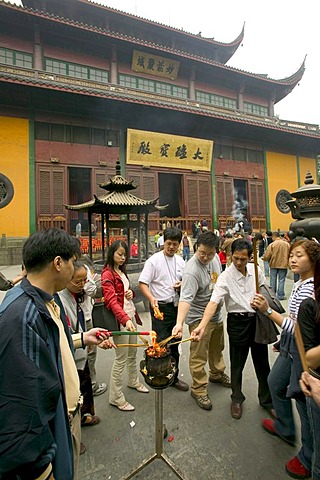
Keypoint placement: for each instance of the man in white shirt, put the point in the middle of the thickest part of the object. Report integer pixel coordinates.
(160, 282)
(236, 286)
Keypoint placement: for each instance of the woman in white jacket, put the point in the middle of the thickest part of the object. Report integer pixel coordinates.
(72, 298)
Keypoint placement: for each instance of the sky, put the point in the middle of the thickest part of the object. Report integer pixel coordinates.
(278, 36)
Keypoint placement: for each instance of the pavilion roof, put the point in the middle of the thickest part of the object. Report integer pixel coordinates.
(117, 196)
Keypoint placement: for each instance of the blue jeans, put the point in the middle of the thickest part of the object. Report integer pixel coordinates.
(275, 275)
(186, 253)
(278, 380)
(306, 451)
(314, 419)
(266, 268)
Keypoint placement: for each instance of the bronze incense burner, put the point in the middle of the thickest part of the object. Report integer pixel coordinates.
(158, 367)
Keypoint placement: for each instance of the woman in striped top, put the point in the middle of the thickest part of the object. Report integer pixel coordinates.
(283, 377)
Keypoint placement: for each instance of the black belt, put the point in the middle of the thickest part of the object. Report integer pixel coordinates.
(242, 315)
(165, 303)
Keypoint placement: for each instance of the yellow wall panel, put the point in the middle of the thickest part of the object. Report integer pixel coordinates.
(14, 164)
(307, 164)
(281, 174)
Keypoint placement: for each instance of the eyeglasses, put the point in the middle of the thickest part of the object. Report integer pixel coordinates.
(80, 283)
(206, 255)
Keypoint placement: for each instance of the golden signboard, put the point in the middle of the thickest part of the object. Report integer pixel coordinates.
(163, 150)
(154, 65)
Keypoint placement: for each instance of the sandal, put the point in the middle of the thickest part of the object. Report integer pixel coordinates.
(140, 388)
(125, 407)
(89, 420)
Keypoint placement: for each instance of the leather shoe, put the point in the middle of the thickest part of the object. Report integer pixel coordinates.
(180, 385)
(236, 410)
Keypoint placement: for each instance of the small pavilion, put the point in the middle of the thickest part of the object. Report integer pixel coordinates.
(120, 209)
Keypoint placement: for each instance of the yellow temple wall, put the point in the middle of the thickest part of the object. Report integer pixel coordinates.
(14, 164)
(285, 172)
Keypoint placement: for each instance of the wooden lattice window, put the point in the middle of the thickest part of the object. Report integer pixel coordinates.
(148, 182)
(224, 196)
(192, 196)
(205, 197)
(256, 197)
(44, 192)
(57, 192)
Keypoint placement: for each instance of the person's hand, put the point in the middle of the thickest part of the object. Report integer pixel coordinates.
(95, 336)
(310, 386)
(153, 302)
(129, 295)
(177, 331)
(197, 333)
(177, 285)
(260, 303)
(130, 326)
(106, 344)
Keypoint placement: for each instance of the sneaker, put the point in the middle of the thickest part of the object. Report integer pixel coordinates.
(203, 401)
(224, 380)
(99, 389)
(295, 469)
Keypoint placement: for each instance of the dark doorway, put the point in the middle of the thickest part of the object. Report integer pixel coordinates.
(170, 192)
(79, 192)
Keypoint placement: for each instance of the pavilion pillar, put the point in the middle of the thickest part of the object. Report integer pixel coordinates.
(192, 88)
(114, 66)
(37, 50)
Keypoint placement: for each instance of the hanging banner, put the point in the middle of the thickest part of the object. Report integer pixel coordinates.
(163, 150)
(144, 62)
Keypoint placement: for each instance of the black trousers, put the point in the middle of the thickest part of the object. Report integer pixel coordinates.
(164, 328)
(241, 331)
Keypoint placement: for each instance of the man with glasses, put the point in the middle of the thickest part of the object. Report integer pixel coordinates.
(236, 287)
(198, 281)
(160, 283)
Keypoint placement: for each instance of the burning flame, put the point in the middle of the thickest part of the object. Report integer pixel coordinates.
(155, 350)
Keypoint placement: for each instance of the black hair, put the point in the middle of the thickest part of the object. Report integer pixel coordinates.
(258, 236)
(41, 248)
(77, 265)
(269, 233)
(112, 249)
(241, 244)
(172, 233)
(317, 287)
(208, 239)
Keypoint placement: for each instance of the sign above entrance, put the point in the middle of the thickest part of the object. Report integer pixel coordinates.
(154, 65)
(163, 150)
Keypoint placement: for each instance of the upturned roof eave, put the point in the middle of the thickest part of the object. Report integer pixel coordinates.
(290, 81)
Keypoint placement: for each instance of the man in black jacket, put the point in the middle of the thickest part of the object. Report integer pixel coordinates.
(39, 397)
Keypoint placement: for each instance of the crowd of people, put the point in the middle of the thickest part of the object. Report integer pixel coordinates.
(52, 350)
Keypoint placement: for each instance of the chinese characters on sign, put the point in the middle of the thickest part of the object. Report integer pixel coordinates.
(154, 65)
(156, 149)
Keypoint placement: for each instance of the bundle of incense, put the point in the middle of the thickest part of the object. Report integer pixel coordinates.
(122, 332)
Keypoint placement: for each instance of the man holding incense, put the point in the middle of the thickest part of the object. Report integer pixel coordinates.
(236, 286)
(160, 283)
(199, 278)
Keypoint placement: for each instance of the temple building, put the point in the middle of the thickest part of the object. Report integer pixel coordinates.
(84, 85)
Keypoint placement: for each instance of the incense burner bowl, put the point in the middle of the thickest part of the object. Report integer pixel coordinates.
(305, 208)
(158, 371)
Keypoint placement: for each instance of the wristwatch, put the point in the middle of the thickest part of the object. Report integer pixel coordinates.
(268, 312)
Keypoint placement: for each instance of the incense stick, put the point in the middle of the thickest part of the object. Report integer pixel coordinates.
(300, 345)
(166, 340)
(255, 263)
(131, 345)
(182, 341)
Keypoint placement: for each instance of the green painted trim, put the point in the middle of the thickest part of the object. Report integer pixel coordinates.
(122, 151)
(214, 193)
(266, 187)
(32, 179)
(298, 170)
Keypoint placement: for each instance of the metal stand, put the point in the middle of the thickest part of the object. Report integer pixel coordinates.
(159, 441)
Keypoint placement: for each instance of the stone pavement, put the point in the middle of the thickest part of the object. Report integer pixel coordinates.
(206, 444)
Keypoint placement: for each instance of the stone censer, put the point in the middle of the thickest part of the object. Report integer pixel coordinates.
(305, 209)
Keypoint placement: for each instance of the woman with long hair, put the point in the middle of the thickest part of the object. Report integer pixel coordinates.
(118, 298)
(283, 379)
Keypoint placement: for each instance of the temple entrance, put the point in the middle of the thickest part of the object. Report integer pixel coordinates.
(170, 192)
(79, 192)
